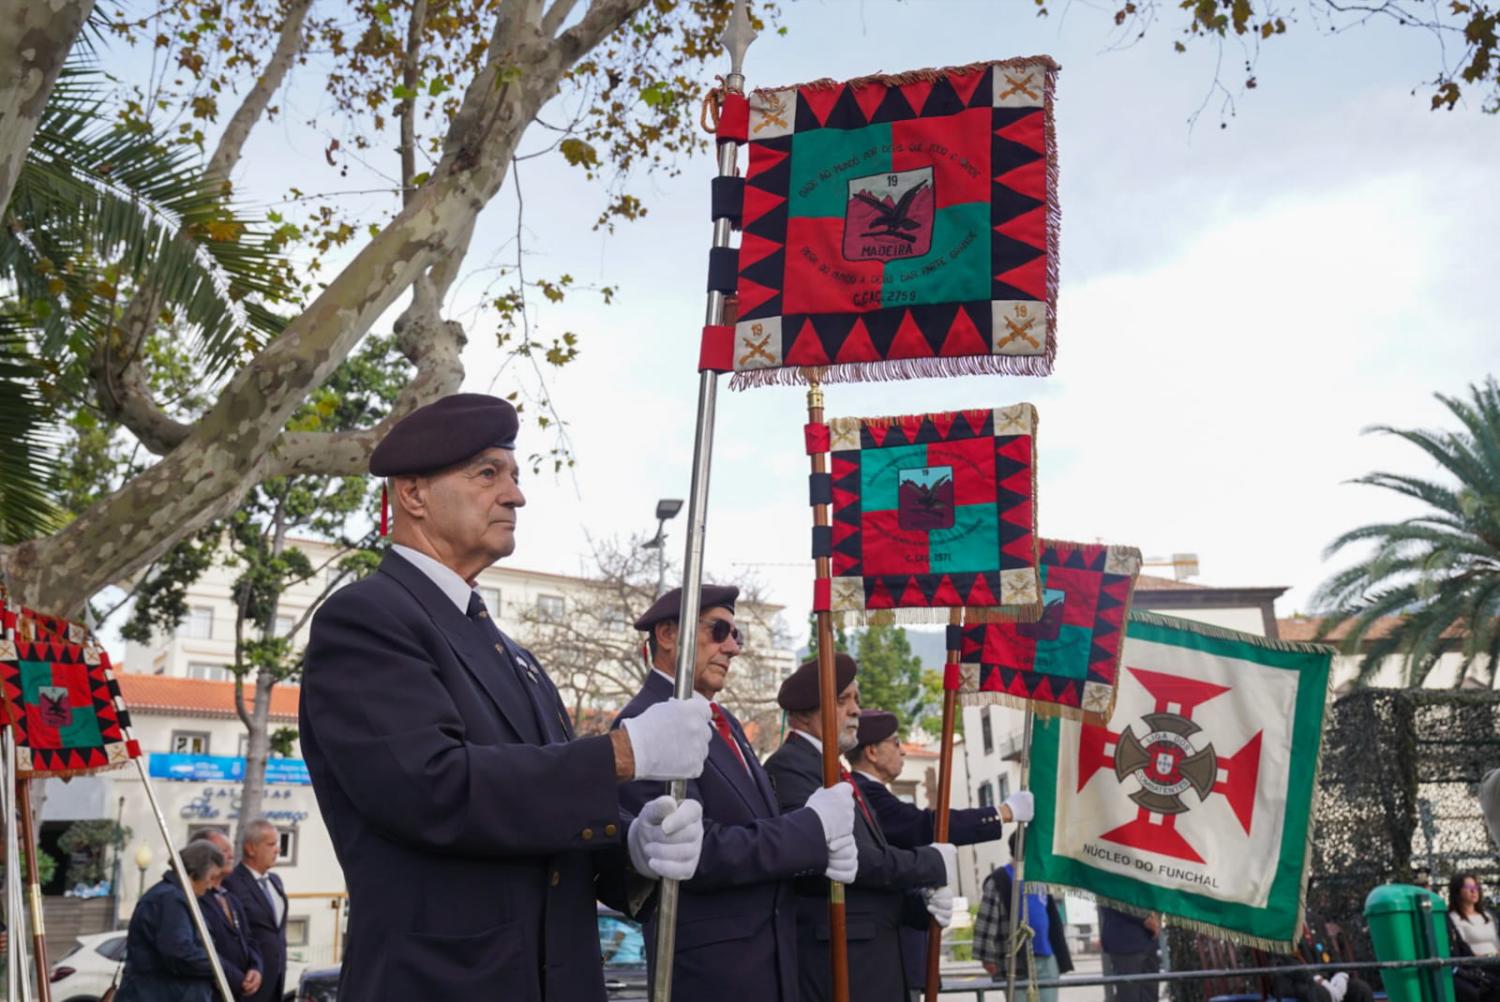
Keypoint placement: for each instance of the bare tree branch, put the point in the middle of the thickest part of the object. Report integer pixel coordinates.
(556, 15)
(35, 39)
(408, 110)
(603, 18)
(245, 117)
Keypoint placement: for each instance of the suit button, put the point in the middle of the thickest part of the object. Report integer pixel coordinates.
(556, 878)
(587, 834)
(500, 648)
(611, 830)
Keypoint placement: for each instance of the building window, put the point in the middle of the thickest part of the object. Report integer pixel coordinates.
(199, 624)
(209, 671)
(491, 599)
(296, 930)
(288, 854)
(1002, 783)
(615, 618)
(549, 608)
(189, 742)
(986, 794)
(987, 730)
(283, 625)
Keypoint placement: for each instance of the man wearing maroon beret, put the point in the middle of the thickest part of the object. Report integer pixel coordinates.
(474, 831)
(894, 887)
(736, 919)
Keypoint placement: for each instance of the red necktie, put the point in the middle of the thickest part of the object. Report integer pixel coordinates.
(859, 797)
(721, 724)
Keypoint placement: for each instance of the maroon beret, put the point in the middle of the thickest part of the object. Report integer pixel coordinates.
(445, 433)
(799, 692)
(669, 606)
(875, 726)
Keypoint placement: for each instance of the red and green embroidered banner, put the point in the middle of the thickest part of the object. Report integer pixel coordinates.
(1067, 662)
(57, 685)
(901, 226)
(932, 512)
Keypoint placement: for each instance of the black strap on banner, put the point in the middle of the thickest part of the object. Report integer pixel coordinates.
(723, 269)
(728, 199)
(822, 541)
(820, 488)
(955, 637)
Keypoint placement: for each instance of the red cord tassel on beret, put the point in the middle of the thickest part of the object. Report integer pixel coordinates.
(385, 518)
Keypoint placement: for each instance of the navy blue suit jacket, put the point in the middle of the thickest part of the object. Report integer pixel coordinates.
(473, 832)
(909, 826)
(268, 935)
(736, 919)
(880, 901)
(164, 959)
(232, 939)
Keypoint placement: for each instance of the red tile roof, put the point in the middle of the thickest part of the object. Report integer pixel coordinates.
(1306, 628)
(195, 697)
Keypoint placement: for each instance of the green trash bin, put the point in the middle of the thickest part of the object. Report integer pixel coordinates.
(1410, 923)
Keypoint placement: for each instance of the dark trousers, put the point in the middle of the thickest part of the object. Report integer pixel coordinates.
(1132, 963)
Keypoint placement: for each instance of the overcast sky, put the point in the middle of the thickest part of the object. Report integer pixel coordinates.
(1236, 304)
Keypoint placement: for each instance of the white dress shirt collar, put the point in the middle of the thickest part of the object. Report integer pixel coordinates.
(870, 775)
(809, 739)
(446, 578)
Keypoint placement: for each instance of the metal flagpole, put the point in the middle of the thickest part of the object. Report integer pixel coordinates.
(945, 784)
(828, 695)
(34, 889)
(1020, 866)
(736, 39)
(15, 918)
(187, 886)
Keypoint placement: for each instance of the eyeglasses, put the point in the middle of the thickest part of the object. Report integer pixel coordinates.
(722, 629)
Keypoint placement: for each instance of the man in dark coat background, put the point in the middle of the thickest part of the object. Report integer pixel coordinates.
(876, 761)
(737, 917)
(264, 900)
(474, 832)
(228, 924)
(893, 887)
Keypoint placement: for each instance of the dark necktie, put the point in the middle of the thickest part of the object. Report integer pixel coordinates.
(721, 724)
(530, 679)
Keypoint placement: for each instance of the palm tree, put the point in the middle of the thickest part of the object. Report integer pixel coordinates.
(100, 212)
(1436, 576)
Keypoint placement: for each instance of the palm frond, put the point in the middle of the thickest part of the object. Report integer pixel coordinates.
(28, 465)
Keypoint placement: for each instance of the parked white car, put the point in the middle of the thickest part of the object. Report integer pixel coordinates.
(84, 973)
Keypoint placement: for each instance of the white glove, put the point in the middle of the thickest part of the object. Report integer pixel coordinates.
(670, 740)
(1022, 806)
(940, 905)
(843, 859)
(1337, 986)
(666, 838)
(834, 806)
(950, 861)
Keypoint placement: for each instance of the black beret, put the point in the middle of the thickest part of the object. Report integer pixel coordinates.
(669, 606)
(799, 693)
(875, 726)
(444, 433)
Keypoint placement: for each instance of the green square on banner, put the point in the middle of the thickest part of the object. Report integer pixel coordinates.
(1066, 655)
(880, 474)
(82, 729)
(826, 160)
(970, 546)
(956, 268)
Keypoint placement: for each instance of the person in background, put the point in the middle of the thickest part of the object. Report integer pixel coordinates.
(1130, 946)
(164, 959)
(264, 901)
(227, 924)
(992, 931)
(1472, 933)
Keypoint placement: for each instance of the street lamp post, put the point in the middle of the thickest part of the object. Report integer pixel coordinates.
(142, 863)
(666, 510)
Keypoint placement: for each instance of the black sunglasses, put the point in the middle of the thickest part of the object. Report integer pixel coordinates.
(722, 629)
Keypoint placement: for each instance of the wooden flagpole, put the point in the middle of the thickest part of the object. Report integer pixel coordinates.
(34, 890)
(736, 40)
(17, 984)
(945, 789)
(838, 943)
(1019, 865)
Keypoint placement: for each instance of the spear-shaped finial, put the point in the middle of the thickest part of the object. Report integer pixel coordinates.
(737, 38)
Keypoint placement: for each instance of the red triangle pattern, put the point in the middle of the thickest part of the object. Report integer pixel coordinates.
(1029, 228)
(754, 248)
(757, 204)
(762, 159)
(857, 347)
(807, 349)
(879, 598)
(965, 84)
(980, 594)
(842, 530)
(1030, 278)
(947, 595)
(909, 342)
(963, 338)
(1030, 179)
(912, 596)
(1030, 132)
(753, 294)
(868, 98)
(877, 433)
(820, 100)
(944, 423)
(916, 93)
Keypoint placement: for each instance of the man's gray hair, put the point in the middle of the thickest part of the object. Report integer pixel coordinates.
(256, 830)
(200, 859)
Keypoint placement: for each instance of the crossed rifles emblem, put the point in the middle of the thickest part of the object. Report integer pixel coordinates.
(1018, 328)
(1021, 85)
(757, 349)
(771, 110)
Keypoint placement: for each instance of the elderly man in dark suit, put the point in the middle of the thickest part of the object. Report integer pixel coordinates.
(736, 920)
(228, 923)
(876, 761)
(264, 901)
(893, 887)
(474, 832)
